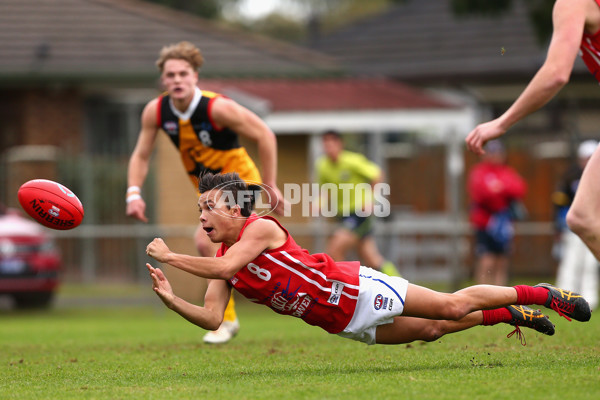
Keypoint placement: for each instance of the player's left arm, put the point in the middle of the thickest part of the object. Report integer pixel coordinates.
(208, 317)
(258, 236)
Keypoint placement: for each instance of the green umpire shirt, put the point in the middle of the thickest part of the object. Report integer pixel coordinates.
(350, 169)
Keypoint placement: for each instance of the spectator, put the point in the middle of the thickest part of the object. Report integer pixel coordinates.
(493, 188)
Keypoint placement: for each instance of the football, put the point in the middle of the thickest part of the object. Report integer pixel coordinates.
(51, 204)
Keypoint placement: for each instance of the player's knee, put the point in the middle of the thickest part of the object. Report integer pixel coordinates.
(200, 245)
(340, 243)
(577, 221)
(455, 309)
(434, 331)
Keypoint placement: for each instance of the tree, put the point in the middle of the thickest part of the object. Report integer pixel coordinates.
(312, 17)
(209, 9)
(279, 26)
(540, 12)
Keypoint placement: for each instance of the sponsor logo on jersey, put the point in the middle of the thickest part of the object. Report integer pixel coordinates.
(303, 305)
(296, 306)
(336, 292)
(294, 303)
(378, 303)
(171, 127)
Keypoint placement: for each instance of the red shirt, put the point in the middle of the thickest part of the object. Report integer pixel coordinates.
(291, 281)
(492, 187)
(590, 51)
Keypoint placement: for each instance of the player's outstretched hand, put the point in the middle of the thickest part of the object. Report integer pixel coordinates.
(161, 285)
(137, 209)
(158, 250)
(482, 134)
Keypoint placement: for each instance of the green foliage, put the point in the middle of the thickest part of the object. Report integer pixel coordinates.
(540, 12)
(210, 9)
(481, 7)
(279, 26)
(320, 17)
(328, 15)
(151, 353)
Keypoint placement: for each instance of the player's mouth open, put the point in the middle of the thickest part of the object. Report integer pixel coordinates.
(208, 229)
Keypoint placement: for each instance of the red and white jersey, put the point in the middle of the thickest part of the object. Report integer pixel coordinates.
(291, 281)
(590, 51)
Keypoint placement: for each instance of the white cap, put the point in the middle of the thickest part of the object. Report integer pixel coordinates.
(586, 148)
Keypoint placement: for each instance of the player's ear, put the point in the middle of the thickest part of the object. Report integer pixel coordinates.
(235, 211)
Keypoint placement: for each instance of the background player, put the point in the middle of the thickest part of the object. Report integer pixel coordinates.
(204, 127)
(346, 169)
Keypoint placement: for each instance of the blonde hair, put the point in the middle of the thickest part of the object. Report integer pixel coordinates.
(180, 51)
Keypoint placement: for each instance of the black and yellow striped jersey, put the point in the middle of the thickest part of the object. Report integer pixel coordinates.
(203, 146)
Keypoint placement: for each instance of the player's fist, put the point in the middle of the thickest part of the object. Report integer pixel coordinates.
(158, 250)
(482, 134)
(137, 209)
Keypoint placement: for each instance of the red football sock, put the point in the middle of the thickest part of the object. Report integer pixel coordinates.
(527, 295)
(493, 317)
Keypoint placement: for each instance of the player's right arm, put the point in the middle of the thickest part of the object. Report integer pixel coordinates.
(139, 162)
(569, 18)
(208, 317)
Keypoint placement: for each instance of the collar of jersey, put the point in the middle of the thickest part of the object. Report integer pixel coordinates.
(184, 116)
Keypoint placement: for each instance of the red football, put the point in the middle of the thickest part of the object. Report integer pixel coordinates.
(51, 204)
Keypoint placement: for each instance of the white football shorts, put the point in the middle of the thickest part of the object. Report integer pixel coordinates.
(381, 298)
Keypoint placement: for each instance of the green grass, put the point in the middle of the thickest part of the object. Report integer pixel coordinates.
(148, 352)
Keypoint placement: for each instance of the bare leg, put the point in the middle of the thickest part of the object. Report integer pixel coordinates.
(409, 329)
(340, 243)
(426, 303)
(369, 253)
(584, 215)
(485, 269)
(569, 269)
(500, 270)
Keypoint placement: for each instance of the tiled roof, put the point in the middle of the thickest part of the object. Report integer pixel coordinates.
(70, 39)
(424, 40)
(328, 94)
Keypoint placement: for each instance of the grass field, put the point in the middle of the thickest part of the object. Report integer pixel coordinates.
(148, 352)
